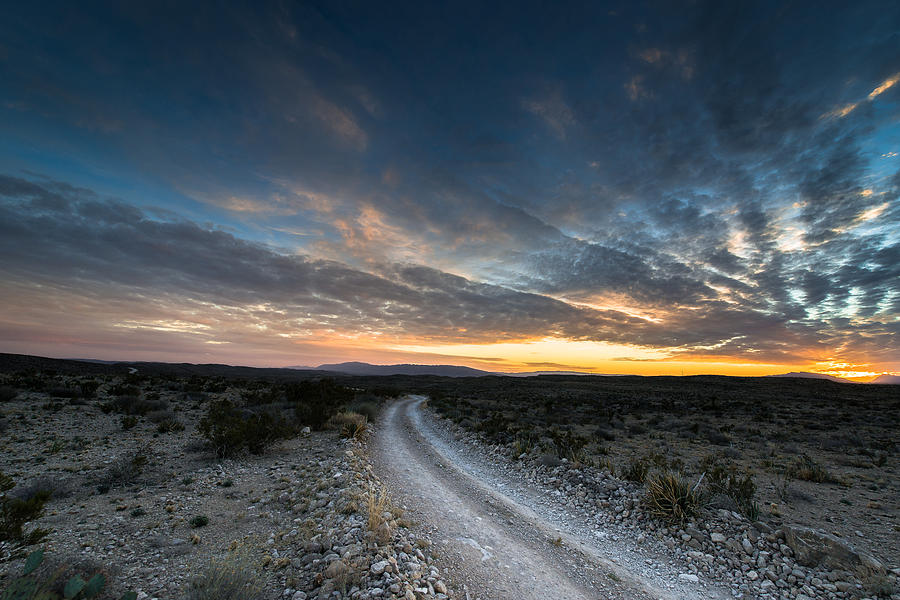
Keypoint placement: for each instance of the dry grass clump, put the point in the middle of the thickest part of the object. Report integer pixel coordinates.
(671, 498)
(808, 469)
(123, 471)
(637, 470)
(350, 424)
(231, 577)
(377, 503)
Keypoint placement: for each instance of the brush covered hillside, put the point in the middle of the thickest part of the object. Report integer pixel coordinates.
(812, 451)
(164, 478)
(200, 485)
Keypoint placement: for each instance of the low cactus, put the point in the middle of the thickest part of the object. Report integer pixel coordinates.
(30, 587)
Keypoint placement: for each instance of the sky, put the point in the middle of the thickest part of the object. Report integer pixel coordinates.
(623, 187)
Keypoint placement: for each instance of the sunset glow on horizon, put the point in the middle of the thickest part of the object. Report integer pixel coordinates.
(693, 189)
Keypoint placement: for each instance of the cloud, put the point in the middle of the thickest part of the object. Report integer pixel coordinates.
(553, 109)
(175, 277)
(884, 86)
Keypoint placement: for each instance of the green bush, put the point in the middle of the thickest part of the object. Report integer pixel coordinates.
(568, 445)
(671, 498)
(230, 429)
(199, 521)
(316, 401)
(15, 513)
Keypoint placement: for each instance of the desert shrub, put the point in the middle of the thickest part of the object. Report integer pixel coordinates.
(637, 470)
(367, 405)
(15, 513)
(714, 436)
(215, 386)
(725, 479)
(568, 445)
(134, 405)
(158, 416)
(64, 392)
(525, 440)
(230, 429)
(8, 393)
(495, 426)
(123, 471)
(170, 426)
(40, 581)
(232, 577)
(807, 469)
(259, 397)
(350, 424)
(199, 521)
(602, 433)
(636, 429)
(55, 487)
(315, 401)
(129, 421)
(671, 498)
(121, 389)
(89, 388)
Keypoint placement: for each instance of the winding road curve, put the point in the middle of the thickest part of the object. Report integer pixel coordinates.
(495, 538)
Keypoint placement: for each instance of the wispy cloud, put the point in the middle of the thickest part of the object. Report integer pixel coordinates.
(553, 109)
(846, 109)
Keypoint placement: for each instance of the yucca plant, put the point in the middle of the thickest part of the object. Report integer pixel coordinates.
(671, 498)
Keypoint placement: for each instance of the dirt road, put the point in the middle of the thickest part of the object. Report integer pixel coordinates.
(498, 538)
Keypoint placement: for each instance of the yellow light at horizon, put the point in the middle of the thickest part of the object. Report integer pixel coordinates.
(581, 355)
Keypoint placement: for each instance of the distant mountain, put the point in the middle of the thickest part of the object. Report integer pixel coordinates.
(539, 373)
(891, 379)
(360, 368)
(808, 375)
